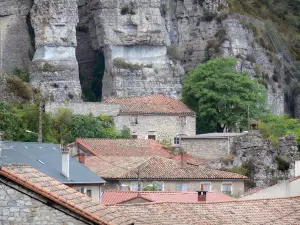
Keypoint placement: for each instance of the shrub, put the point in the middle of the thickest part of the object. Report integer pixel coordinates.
(283, 164)
(19, 87)
(209, 15)
(251, 58)
(22, 74)
(173, 52)
(122, 64)
(47, 67)
(227, 159)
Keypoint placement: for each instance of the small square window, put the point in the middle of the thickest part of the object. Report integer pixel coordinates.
(182, 120)
(153, 137)
(89, 193)
(83, 190)
(134, 136)
(182, 187)
(134, 187)
(226, 188)
(206, 186)
(176, 140)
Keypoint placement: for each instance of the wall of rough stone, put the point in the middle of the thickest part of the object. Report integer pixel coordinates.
(165, 127)
(95, 108)
(261, 157)
(22, 206)
(207, 148)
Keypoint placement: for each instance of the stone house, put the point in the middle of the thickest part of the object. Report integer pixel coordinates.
(208, 146)
(31, 197)
(58, 164)
(137, 173)
(157, 117)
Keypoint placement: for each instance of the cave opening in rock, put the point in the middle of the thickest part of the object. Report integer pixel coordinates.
(91, 67)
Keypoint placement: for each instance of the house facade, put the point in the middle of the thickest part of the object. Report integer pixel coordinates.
(162, 174)
(157, 117)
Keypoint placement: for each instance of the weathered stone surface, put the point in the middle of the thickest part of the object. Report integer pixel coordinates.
(21, 206)
(262, 158)
(55, 69)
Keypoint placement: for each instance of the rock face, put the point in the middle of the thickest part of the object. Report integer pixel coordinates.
(54, 67)
(15, 41)
(266, 165)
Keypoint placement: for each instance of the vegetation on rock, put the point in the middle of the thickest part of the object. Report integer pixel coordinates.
(222, 97)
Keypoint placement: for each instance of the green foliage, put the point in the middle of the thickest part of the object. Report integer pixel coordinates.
(221, 97)
(150, 188)
(240, 170)
(122, 64)
(173, 52)
(47, 67)
(19, 87)
(283, 164)
(274, 127)
(15, 119)
(22, 74)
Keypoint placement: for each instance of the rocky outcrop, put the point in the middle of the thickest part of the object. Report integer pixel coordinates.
(15, 40)
(54, 68)
(266, 165)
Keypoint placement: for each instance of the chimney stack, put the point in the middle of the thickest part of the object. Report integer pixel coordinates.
(183, 159)
(65, 169)
(81, 157)
(202, 194)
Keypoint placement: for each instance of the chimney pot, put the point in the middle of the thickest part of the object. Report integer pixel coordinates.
(65, 162)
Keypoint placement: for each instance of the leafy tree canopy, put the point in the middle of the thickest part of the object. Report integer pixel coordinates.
(221, 96)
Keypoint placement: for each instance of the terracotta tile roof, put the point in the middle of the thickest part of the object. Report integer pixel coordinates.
(263, 211)
(123, 147)
(117, 197)
(193, 160)
(156, 104)
(54, 190)
(154, 167)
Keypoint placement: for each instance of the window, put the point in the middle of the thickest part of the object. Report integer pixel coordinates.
(134, 120)
(124, 187)
(159, 185)
(176, 140)
(153, 137)
(89, 193)
(206, 186)
(181, 187)
(226, 188)
(182, 120)
(83, 190)
(134, 187)
(134, 136)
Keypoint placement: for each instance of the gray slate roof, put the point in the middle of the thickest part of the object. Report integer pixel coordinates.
(47, 159)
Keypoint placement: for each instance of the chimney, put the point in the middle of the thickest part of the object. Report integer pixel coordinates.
(183, 159)
(65, 162)
(297, 168)
(202, 195)
(81, 157)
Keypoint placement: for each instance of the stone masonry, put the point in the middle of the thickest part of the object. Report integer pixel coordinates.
(21, 206)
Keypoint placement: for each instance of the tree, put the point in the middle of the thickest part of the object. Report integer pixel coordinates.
(222, 97)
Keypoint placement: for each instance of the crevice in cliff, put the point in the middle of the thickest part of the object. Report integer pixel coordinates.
(31, 33)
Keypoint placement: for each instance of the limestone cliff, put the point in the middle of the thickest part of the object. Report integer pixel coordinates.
(147, 45)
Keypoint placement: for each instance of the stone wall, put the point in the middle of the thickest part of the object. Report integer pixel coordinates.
(95, 108)
(21, 206)
(165, 127)
(212, 148)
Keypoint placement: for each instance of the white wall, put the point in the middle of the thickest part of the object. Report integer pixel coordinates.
(284, 189)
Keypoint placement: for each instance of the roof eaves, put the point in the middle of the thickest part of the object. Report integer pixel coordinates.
(52, 196)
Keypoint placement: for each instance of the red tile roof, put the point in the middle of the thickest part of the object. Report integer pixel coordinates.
(260, 211)
(153, 104)
(117, 197)
(53, 190)
(123, 147)
(154, 167)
